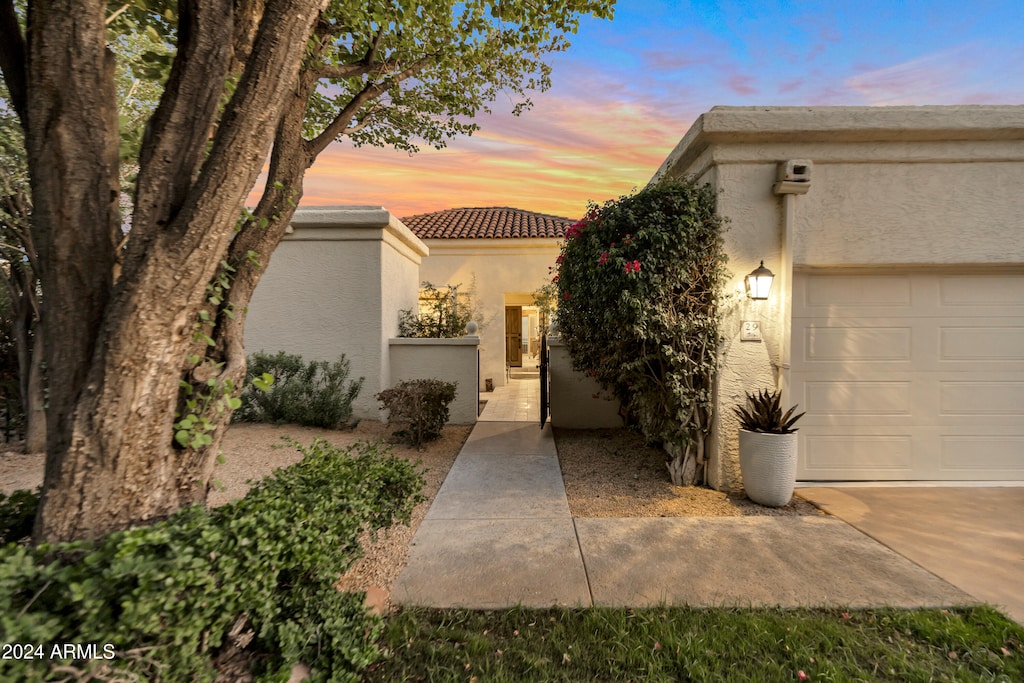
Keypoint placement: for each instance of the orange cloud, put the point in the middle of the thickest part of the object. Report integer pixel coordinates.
(552, 159)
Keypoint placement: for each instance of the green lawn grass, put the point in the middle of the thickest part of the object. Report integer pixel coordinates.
(684, 644)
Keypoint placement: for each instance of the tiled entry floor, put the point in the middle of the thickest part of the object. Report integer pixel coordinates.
(517, 401)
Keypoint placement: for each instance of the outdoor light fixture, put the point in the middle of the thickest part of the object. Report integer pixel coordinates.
(758, 283)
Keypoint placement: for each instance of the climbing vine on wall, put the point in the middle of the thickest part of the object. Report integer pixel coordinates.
(639, 282)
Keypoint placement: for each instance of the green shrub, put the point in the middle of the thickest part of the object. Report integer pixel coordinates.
(441, 315)
(420, 406)
(166, 597)
(314, 394)
(17, 515)
(639, 284)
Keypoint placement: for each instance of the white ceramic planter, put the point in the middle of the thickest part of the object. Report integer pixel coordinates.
(768, 466)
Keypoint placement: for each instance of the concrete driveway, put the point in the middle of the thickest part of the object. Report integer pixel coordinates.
(971, 537)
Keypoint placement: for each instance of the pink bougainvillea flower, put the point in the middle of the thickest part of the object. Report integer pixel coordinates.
(636, 266)
(566, 296)
(629, 267)
(554, 280)
(604, 258)
(560, 258)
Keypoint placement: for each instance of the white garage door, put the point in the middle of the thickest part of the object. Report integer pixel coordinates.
(909, 375)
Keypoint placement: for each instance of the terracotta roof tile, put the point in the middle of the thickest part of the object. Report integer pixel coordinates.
(491, 222)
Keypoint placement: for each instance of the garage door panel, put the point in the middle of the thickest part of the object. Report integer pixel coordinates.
(853, 456)
(857, 398)
(981, 291)
(980, 398)
(989, 343)
(982, 456)
(867, 344)
(856, 292)
(909, 376)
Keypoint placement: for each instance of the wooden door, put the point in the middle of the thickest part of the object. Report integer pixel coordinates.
(514, 336)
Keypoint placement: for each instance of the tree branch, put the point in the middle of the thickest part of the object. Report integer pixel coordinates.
(341, 71)
(12, 60)
(369, 92)
(175, 141)
(248, 14)
(371, 55)
(356, 128)
(367, 65)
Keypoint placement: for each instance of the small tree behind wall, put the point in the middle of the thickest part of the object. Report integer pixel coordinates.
(639, 283)
(546, 300)
(442, 314)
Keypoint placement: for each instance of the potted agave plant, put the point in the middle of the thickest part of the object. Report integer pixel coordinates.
(767, 449)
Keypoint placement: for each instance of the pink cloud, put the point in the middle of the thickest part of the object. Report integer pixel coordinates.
(954, 76)
(790, 86)
(741, 84)
(674, 59)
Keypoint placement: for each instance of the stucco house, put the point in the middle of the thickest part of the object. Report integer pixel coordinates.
(341, 276)
(896, 317)
(505, 254)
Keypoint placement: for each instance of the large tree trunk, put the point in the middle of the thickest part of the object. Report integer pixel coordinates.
(117, 352)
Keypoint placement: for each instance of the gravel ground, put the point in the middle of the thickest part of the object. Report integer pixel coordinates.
(607, 473)
(612, 473)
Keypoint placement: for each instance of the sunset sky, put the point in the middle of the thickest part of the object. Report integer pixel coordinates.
(628, 89)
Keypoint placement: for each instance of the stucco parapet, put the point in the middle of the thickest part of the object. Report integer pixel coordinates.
(768, 125)
(895, 152)
(426, 341)
(354, 223)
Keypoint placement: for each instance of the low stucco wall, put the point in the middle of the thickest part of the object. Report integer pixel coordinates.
(450, 360)
(889, 186)
(577, 401)
(334, 286)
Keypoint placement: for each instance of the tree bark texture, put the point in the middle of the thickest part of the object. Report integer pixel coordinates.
(117, 350)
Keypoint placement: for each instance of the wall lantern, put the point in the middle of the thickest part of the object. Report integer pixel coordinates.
(758, 283)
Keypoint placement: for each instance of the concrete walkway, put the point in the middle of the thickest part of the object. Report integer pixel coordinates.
(518, 400)
(499, 533)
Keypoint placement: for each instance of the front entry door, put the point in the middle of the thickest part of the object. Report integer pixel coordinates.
(514, 336)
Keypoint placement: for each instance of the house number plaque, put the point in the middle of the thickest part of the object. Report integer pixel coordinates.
(751, 331)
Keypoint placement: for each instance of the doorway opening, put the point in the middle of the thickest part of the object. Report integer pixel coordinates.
(522, 336)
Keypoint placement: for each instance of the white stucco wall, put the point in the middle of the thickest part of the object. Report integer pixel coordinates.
(895, 186)
(501, 267)
(451, 360)
(577, 401)
(335, 285)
